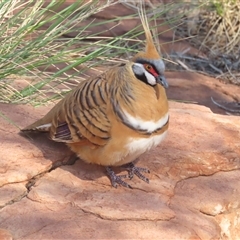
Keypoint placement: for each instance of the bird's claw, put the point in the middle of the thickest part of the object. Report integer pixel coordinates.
(117, 179)
(133, 170)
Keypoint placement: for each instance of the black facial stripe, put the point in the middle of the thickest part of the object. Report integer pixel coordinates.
(144, 61)
(141, 77)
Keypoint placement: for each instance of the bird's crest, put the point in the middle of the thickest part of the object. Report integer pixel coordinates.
(150, 50)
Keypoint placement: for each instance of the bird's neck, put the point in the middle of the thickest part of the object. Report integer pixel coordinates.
(130, 95)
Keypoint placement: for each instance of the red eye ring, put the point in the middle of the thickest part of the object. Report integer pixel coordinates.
(150, 69)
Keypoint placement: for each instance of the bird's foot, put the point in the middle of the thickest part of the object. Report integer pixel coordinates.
(117, 179)
(132, 170)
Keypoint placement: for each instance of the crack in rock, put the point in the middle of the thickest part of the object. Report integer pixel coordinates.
(97, 215)
(32, 181)
(16, 199)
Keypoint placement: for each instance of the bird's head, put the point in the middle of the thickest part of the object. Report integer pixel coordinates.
(150, 71)
(148, 65)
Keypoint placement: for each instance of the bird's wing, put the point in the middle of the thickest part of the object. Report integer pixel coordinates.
(82, 115)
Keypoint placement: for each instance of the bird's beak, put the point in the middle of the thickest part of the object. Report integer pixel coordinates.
(162, 80)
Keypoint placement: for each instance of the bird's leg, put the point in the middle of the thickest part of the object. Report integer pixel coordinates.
(132, 170)
(116, 179)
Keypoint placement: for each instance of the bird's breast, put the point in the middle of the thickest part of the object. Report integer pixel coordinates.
(135, 147)
(142, 136)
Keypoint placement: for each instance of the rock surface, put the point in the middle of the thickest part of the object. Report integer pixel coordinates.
(193, 192)
(194, 181)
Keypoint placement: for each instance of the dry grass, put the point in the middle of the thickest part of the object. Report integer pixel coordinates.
(213, 28)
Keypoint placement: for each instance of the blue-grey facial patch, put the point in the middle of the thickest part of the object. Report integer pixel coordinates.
(159, 64)
(138, 69)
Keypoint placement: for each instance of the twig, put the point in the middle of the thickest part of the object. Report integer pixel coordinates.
(225, 108)
(215, 68)
(189, 58)
(182, 64)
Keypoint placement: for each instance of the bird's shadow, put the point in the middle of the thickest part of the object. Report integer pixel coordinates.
(60, 155)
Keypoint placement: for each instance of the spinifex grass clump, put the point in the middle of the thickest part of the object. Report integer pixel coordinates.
(32, 39)
(38, 59)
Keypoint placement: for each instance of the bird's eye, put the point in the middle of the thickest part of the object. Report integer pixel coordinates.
(148, 67)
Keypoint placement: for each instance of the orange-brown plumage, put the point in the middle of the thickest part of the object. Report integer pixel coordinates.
(112, 119)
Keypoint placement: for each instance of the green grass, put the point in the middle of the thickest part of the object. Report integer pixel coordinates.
(34, 39)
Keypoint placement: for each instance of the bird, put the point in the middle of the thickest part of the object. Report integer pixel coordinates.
(114, 118)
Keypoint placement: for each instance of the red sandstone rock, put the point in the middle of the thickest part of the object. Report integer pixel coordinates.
(194, 181)
(193, 192)
(5, 235)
